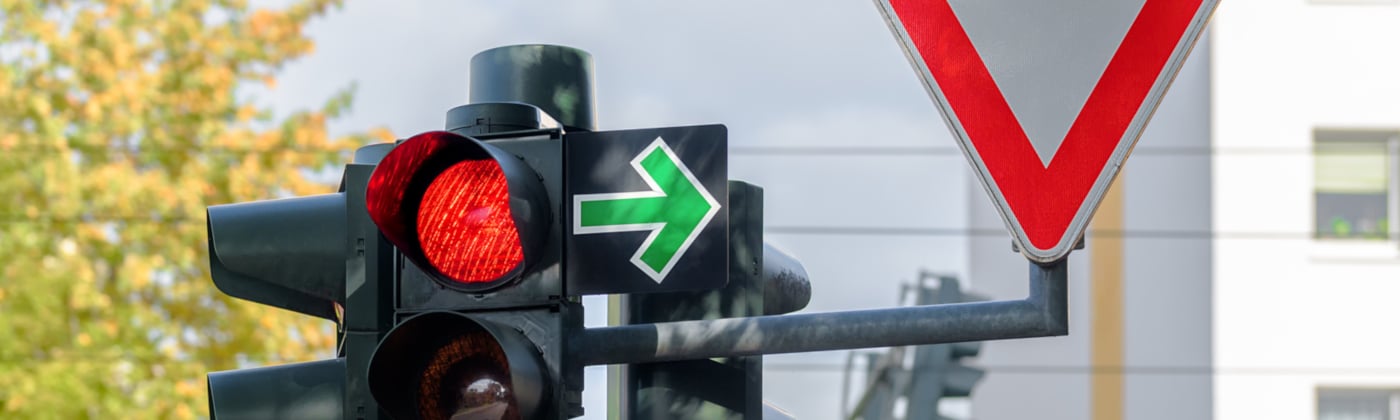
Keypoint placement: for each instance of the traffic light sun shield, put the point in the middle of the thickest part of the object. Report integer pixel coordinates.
(460, 209)
(307, 390)
(442, 365)
(288, 253)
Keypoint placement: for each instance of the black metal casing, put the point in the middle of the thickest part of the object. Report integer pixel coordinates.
(535, 305)
(516, 94)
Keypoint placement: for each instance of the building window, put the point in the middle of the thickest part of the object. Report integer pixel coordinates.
(1354, 183)
(1358, 404)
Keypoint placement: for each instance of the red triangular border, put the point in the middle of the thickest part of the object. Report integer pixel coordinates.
(1046, 200)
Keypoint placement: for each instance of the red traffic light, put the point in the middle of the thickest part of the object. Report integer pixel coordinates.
(459, 208)
(465, 226)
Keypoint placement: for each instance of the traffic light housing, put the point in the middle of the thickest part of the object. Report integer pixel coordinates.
(362, 257)
(479, 304)
(480, 307)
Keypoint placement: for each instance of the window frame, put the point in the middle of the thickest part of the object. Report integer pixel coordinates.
(1392, 395)
(1329, 250)
(1391, 140)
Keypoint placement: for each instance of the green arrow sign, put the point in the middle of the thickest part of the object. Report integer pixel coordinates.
(675, 210)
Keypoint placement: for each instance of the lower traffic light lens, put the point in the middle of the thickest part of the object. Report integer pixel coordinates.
(465, 225)
(446, 365)
(466, 379)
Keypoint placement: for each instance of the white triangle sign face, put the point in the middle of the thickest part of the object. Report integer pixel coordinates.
(1047, 97)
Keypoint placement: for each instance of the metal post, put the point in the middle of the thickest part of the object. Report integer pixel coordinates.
(1042, 313)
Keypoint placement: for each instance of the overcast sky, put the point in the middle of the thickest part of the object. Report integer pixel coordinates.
(805, 74)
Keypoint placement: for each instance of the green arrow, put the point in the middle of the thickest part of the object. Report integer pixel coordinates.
(675, 210)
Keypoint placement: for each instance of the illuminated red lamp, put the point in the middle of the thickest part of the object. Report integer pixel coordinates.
(445, 201)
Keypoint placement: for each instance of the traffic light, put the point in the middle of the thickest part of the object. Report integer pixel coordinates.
(439, 258)
(481, 307)
(938, 370)
(315, 255)
(480, 310)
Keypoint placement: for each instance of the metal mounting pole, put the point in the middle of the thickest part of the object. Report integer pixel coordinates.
(1043, 313)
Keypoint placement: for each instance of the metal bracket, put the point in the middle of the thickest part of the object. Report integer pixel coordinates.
(1043, 313)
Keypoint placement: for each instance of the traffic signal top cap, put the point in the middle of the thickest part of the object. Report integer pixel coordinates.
(557, 79)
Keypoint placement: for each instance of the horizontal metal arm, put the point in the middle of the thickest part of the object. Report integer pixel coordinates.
(1043, 313)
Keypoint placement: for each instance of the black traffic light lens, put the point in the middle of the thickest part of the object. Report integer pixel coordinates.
(467, 379)
(446, 365)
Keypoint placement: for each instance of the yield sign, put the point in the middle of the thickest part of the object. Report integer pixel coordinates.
(1047, 97)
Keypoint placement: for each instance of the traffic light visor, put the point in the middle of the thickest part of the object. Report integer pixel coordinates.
(459, 208)
(288, 253)
(307, 390)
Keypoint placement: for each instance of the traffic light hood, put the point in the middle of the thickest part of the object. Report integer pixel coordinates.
(288, 253)
(307, 390)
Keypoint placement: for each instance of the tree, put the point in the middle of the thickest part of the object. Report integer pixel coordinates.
(120, 121)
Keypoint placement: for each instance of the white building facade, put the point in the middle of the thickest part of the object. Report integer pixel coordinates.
(1306, 98)
(1245, 264)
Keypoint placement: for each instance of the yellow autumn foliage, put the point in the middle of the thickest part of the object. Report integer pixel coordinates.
(120, 122)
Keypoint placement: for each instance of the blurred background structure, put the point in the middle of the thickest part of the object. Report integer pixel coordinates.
(1242, 268)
